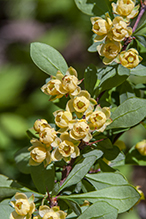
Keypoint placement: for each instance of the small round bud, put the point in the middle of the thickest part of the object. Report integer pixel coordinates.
(141, 147)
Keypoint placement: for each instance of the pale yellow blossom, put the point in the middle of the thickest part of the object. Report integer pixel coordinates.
(82, 104)
(47, 135)
(110, 50)
(125, 8)
(67, 148)
(62, 118)
(130, 58)
(54, 88)
(46, 212)
(60, 84)
(119, 30)
(81, 130)
(24, 207)
(70, 82)
(39, 153)
(101, 27)
(99, 119)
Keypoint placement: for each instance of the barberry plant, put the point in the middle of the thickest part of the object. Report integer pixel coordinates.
(74, 162)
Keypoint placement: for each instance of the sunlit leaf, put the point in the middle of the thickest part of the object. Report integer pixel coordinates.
(47, 58)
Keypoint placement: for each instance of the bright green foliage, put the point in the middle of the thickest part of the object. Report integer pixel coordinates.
(73, 162)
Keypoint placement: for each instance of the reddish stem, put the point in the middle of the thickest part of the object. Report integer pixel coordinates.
(143, 8)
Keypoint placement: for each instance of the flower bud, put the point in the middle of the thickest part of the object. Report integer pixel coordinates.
(141, 147)
(40, 124)
(130, 58)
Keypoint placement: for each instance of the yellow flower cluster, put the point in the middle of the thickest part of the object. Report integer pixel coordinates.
(46, 212)
(60, 85)
(76, 123)
(112, 33)
(25, 207)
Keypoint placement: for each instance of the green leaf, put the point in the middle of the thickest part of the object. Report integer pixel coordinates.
(125, 91)
(22, 160)
(100, 210)
(134, 157)
(140, 70)
(8, 187)
(94, 8)
(5, 209)
(93, 47)
(90, 78)
(81, 168)
(104, 180)
(105, 167)
(129, 113)
(47, 58)
(43, 178)
(74, 206)
(32, 133)
(122, 197)
(111, 76)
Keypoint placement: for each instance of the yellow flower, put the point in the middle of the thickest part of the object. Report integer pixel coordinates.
(81, 104)
(54, 88)
(119, 30)
(67, 148)
(101, 27)
(62, 118)
(46, 212)
(125, 8)
(24, 207)
(61, 84)
(81, 130)
(130, 58)
(39, 153)
(99, 119)
(70, 82)
(47, 135)
(40, 124)
(141, 147)
(110, 50)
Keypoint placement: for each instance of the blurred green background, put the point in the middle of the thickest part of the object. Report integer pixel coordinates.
(60, 24)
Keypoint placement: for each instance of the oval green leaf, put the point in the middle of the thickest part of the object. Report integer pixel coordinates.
(129, 113)
(47, 58)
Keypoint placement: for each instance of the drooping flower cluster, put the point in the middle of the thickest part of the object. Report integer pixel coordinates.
(25, 207)
(61, 84)
(76, 124)
(113, 33)
(46, 212)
